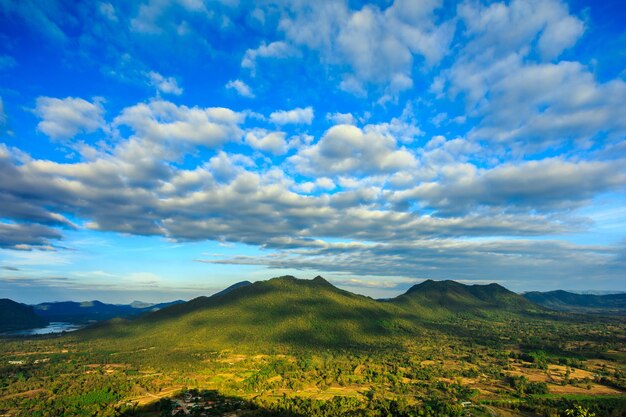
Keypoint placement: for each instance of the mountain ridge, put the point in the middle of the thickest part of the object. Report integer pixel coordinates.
(562, 300)
(94, 310)
(287, 312)
(18, 316)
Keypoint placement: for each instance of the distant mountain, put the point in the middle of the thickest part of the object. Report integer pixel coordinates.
(291, 312)
(582, 303)
(232, 287)
(86, 311)
(445, 298)
(16, 316)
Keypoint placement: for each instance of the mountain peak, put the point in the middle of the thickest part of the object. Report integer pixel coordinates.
(321, 281)
(455, 296)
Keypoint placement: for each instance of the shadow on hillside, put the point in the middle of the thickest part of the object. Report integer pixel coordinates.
(207, 403)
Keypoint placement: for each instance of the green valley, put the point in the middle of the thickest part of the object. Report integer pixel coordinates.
(296, 347)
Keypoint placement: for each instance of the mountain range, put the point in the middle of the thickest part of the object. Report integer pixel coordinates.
(580, 303)
(89, 311)
(287, 312)
(304, 311)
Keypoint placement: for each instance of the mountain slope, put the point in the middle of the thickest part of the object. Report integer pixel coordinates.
(590, 303)
(16, 316)
(439, 299)
(280, 312)
(82, 312)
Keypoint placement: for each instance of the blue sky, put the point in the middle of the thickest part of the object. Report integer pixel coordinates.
(165, 149)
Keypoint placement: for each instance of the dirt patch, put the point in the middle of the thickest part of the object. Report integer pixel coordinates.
(596, 389)
(28, 394)
(533, 375)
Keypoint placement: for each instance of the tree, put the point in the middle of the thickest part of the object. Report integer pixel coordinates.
(579, 411)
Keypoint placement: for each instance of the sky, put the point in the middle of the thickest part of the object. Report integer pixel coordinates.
(159, 149)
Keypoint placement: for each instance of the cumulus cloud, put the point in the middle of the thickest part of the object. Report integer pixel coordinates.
(278, 49)
(341, 118)
(545, 185)
(167, 85)
(263, 140)
(65, 118)
(497, 29)
(295, 116)
(513, 88)
(26, 236)
(534, 106)
(346, 149)
(378, 45)
(240, 87)
(162, 121)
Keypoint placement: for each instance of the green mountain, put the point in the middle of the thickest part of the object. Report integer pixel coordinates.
(583, 303)
(16, 316)
(280, 312)
(437, 299)
(287, 312)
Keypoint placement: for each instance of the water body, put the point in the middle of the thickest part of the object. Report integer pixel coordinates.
(53, 327)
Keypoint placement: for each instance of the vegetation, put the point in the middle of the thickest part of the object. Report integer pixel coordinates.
(16, 316)
(580, 303)
(291, 347)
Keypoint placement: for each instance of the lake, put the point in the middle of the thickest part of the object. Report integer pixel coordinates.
(53, 327)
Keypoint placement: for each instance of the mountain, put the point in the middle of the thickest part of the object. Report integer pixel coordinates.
(86, 311)
(280, 312)
(233, 287)
(435, 299)
(287, 312)
(582, 303)
(16, 316)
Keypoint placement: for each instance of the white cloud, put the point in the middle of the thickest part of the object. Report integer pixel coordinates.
(498, 29)
(341, 118)
(295, 116)
(162, 121)
(379, 46)
(560, 35)
(534, 106)
(278, 49)
(167, 85)
(346, 149)
(538, 186)
(65, 118)
(263, 140)
(325, 183)
(240, 87)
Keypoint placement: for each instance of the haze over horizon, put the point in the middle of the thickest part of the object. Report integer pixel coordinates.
(166, 149)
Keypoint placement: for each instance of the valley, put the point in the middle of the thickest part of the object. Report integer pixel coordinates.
(296, 347)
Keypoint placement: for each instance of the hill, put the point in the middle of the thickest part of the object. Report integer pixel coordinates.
(87, 311)
(280, 312)
(287, 312)
(438, 299)
(16, 316)
(582, 303)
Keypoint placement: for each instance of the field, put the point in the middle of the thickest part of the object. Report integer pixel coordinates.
(533, 375)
